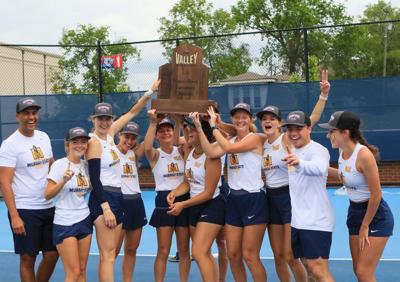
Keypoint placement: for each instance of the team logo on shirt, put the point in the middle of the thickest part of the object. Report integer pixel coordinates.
(82, 185)
(347, 168)
(197, 164)
(127, 169)
(189, 174)
(115, 158)
(275, 147)
(178, 158)
(38, 157)
(173, 170)
(267, 161)
(132, 159)
(233, 159)
(37, 153)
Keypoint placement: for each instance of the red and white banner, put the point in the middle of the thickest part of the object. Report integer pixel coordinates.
(112, 62)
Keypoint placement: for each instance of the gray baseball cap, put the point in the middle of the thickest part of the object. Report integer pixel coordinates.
(342, 120)
(131, 128)
(25, 103)
(103, 109)
(76, 132)
(298, 118)
(165, 121)
(241, 106)
(270, 110)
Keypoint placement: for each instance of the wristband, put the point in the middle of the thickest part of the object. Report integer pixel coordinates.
(323, 97)
(148, 93)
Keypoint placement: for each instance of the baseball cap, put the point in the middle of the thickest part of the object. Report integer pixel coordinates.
(25, 103)
(165, 121)
(241, 106)
(131, 128)
(270, 110)
(342, 120)
(103, 109)
(76, 132)
(298, 118)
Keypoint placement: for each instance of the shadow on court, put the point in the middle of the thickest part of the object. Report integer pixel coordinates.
(342, 270)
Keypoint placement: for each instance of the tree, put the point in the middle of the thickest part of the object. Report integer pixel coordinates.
(189, 18)
(360, 51)
(288, 46)
(78, 69)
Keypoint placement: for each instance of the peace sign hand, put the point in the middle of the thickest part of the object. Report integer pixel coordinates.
(68, 173)
(324, 84)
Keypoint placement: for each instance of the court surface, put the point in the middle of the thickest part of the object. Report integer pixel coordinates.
(340, 262)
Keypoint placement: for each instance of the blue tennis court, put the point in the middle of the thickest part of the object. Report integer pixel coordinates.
(340, 263)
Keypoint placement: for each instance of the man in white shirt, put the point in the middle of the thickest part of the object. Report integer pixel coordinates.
(312, 214)
(25, 159)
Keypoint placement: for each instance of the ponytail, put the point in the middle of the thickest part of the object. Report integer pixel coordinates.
(357, 136)
(253, 128)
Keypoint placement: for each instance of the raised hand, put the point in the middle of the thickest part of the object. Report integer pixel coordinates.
(152, 115)
(196, 119)
(68, 173)
(213, 116)
(324, 84)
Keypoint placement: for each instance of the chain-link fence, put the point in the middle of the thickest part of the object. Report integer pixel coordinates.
(349, 51)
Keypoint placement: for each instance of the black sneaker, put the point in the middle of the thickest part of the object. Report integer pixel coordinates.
(174, 258)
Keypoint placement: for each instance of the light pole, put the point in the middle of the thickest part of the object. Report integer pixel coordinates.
(388, 26)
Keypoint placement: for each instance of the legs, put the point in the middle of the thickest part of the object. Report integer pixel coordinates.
(132, 240)
(251, 245)
(222, 255)
(182, 242)
(320, 269)
(27, 268)
(366, 261)
(234, 238)
(201, 248)
(107, 243)
(280, 239)
(164, 237)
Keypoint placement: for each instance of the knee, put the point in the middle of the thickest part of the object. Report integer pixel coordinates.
(74, 273)
(280, 259)
(130, 251)
(363, 273)
(27, 261)
(107, 256)
(221, 245)
(250, 258)
(163, 252)
(235, 257)
(198, 252)
(50, 257)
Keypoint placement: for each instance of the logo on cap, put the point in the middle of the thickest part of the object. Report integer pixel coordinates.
(241, 105)
(103, 108)
(78, 131)
(294, 117)
(269, 109)
(28, 101)
(332, 118)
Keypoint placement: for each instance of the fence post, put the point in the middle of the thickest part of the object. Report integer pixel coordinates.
(306, 67)
(23, 71)
(177, 42)
(100, 97)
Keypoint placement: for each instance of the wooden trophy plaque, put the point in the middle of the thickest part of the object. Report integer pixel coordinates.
(184, 83)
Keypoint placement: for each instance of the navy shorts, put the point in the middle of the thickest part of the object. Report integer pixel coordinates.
(244, 208)
(224, 188)
(279, 206)
(311, 244)
(78, 230)
(134, 214)
(113, 196)
(160, 218)
(212, 211)
(380, 226)
(39, 231)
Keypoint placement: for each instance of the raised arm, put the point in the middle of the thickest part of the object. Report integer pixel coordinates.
(135, 109)
(323, 97)
(151, 153)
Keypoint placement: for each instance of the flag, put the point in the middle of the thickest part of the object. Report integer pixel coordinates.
(111, 62)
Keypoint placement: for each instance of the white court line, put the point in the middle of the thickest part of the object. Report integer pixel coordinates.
(215, 255)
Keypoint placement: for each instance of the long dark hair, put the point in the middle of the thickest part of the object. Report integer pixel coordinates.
(357, 137)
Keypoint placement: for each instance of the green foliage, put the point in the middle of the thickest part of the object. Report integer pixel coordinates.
(288, 46)
(78, 70)
(189, 18)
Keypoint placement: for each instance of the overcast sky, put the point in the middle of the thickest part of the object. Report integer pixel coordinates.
(42, 21)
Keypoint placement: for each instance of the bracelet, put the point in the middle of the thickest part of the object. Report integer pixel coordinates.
(148, 93)
(323, 97)
(213, 127)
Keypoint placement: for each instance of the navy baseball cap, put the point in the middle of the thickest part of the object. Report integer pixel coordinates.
(26, 103)
(342, 120)
(76, 132)
(165, 121)
(298, 118)
(270, 110)
(131, 128)
(241, 106)
(103, 109)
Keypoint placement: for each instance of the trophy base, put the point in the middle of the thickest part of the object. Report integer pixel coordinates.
(184, 107)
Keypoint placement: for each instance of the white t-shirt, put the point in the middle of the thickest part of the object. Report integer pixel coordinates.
(196, 175)
(129, 174)
(30, 156)
(71, 206)
(244, 170)
(110, 171)
(275, 170)
(169, 170)
(311, 208)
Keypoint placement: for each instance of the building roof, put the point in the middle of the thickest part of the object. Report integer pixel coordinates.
(252, 77)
